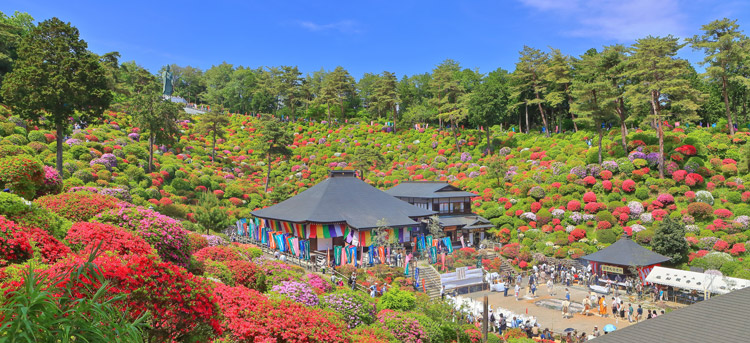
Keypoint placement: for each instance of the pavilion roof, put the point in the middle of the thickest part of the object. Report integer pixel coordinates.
(342, 197)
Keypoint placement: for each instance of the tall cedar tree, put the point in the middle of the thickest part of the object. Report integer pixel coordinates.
(490, 101)
(449, 96)
(594, 95)
(213, 123)
(158, 117)
(338, 86)
(559, 75)
(613, 67)
(289, 84)
(529, 73)
(55, 78)
(273, 141)
(385, 94)
(726, 50)
(660, 79)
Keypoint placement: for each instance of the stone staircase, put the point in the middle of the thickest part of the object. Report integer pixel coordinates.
(431, 278)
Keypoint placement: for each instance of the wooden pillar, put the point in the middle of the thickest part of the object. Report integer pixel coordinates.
(485, 319)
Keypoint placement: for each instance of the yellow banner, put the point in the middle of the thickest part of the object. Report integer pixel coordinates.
(611, 269)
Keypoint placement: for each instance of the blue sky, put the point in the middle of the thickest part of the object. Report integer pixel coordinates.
(405, 37)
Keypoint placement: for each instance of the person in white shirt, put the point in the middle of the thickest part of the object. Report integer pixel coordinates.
(550, 287)
(518, 290)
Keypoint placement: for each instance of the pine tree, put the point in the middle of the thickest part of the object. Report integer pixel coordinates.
(558, 74)
(726, 49)
(385, 94)
(529, 73)
(55, 78)
(450, 97)
(274, 141)
(594, 94)
(660, 79)
(213, 123)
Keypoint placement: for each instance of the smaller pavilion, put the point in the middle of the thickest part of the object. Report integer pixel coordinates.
(622, 255)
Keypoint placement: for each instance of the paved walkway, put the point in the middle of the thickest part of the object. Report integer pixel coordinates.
(552, 318)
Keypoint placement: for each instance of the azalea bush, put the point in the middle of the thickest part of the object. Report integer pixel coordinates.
(248, 316)
(180, 304)
(298, 292)
(78, 207)
(165, 234)
(87, 236)
(356, 308)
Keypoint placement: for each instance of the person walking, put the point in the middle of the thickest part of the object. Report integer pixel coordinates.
(550, 287)
(567, 294)
(630, 312)
(353, 281)
(533, 289)
(518, 290)
(638, 314)
(442, 292)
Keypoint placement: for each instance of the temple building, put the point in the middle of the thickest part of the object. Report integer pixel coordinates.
(341, 210)
(451, 204)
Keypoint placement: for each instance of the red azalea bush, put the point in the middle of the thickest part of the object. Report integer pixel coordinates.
(181, 304)
(592, 207)
(721, 245)
(628, 186)
(78, 207)
(589, 180)
(84, 236)
(197, 242)
(605, 174)
(693, 179)
(659, 214)
(248, 316)
(574, 205)
(589, 197)
(243, 272)
(577, 234)
(723, 213)
(49, 247)
(14, 243)
(219, 253)
(737, 249)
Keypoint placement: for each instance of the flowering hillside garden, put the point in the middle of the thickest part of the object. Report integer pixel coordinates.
(547, 198)
(126, 195)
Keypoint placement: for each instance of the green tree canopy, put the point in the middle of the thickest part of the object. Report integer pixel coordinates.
(55, 78)
(669, 240)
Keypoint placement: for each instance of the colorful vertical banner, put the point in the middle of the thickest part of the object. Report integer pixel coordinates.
(433, 254)
(371, 254)
(337, 255)
(416, 276)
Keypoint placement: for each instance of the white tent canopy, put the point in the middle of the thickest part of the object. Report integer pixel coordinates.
(695, 281)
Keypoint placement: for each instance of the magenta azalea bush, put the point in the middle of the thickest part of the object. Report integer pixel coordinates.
(165, 234)
(298, 292)
(354, 307)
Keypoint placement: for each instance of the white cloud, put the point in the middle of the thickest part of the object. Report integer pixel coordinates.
(616, 19)
(343, 26)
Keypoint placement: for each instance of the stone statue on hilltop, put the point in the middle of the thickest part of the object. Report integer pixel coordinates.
(166, 77)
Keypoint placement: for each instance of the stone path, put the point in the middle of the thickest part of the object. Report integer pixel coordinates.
(546, 308)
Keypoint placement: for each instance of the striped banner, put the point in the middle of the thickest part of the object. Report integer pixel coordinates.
(365, 238)
(644, 271)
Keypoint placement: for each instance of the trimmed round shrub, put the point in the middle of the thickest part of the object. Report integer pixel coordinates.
(700, 210)
(78, 207)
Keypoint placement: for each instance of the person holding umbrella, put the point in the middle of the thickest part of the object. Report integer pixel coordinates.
(609, 328)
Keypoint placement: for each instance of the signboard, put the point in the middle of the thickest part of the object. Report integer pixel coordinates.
(611, 269)
(461, 273)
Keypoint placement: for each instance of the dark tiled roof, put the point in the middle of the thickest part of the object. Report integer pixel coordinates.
(723, 318)
(468, 221)
(427, 189)
(344, 198)
(625, 252)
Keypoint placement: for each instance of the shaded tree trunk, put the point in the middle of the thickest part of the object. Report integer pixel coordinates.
(151, 152)
(623, 126)
(329, 114)
(213, 147)
(726, 104)
(544, 118)
(527, 117)
(489, 146)
(455, 136)
(570, 102)
(58, 163)
(659, 129)
(268, 171)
